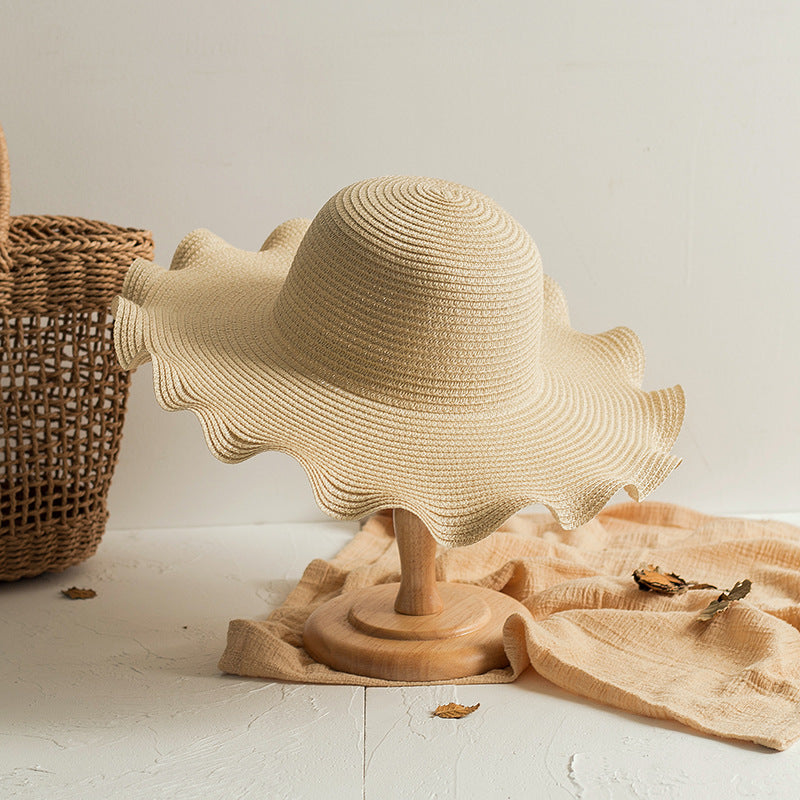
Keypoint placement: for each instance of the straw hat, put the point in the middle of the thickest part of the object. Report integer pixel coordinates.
(407, 349)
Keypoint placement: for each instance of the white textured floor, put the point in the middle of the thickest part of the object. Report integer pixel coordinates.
(120, 697)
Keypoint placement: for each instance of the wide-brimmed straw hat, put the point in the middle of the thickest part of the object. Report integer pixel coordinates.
(407, 349)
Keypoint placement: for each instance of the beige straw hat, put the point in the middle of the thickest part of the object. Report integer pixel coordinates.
(407, 349)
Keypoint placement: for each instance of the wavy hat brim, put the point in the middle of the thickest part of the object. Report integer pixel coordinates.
(585, 430)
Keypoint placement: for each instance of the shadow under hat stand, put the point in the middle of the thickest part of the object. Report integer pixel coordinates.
(415, 630)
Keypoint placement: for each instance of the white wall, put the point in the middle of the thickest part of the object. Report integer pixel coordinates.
(650, 148)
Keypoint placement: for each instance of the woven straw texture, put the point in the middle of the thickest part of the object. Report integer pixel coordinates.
(63, 395)
(408, 350)
(589, 629)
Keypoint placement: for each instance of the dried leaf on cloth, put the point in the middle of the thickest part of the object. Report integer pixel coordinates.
(654, 579)
(74, 593)
(740, 590)
(454, 711)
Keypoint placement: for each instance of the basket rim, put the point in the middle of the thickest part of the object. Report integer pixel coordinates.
(27, 232)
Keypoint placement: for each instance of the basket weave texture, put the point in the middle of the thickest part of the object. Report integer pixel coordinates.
(62, 393)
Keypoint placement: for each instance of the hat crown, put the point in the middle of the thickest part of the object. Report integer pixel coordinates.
(414, 290)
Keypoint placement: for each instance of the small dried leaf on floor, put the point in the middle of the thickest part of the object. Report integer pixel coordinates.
(740, 590)
(74, 593)
(454, 711)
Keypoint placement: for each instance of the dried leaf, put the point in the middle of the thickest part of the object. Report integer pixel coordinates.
(454, 711)
(740, 590)
(74, 593)
(652, 579)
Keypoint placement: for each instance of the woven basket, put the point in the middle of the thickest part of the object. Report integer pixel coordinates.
(62, 394)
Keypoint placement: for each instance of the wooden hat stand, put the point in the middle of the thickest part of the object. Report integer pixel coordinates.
(417, 630)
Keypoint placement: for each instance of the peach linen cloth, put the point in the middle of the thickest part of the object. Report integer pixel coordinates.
(588, 627)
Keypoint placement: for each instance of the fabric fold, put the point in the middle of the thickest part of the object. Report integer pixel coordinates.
(587, 626)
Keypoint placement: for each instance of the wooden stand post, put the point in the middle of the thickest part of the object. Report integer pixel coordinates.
(417, 595)
(415, 631)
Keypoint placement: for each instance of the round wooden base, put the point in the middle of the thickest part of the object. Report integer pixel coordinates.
(361, 633)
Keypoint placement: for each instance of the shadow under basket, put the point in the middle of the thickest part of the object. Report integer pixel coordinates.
(62, 393)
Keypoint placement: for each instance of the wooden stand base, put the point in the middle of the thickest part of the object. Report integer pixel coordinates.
(361, 633)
